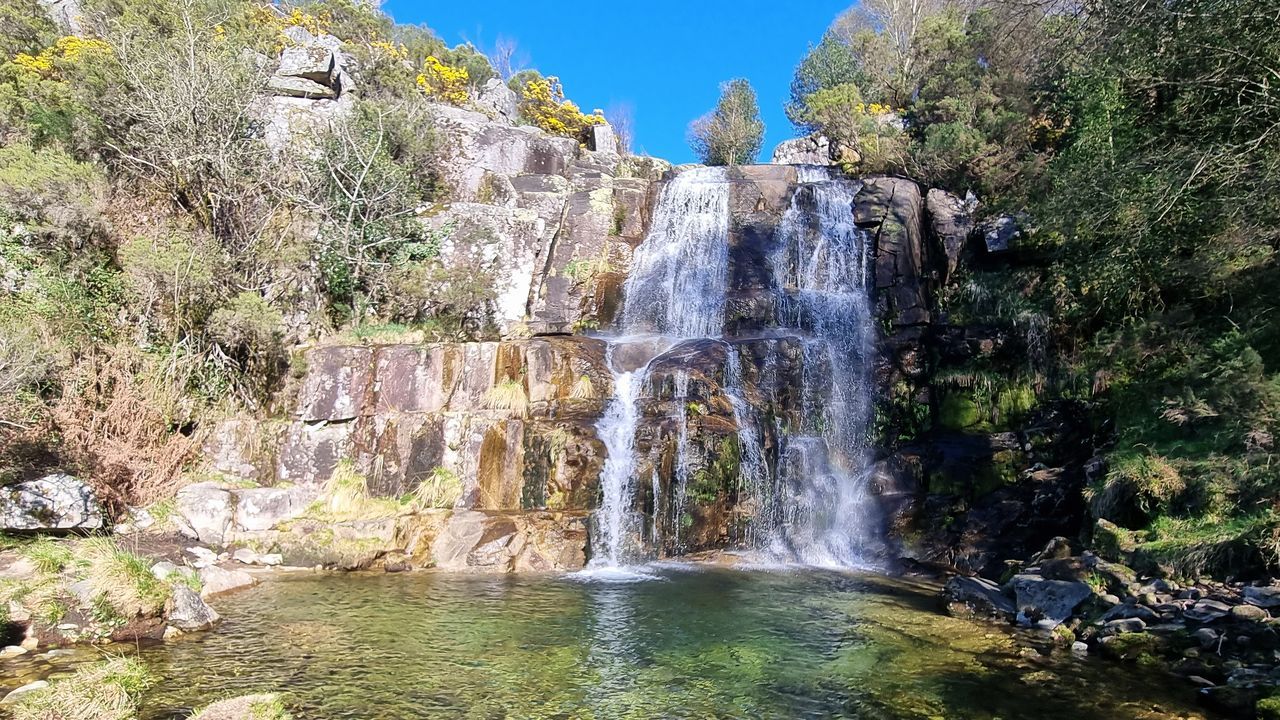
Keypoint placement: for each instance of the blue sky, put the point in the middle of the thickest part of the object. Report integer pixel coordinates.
(665, 58)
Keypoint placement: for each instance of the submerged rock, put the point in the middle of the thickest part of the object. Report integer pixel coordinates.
(216, 580)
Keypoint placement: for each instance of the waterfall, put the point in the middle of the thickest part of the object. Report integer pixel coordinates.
(676, 288)
(821, 266)
(617, 524)
(804, 483)
(677, 282)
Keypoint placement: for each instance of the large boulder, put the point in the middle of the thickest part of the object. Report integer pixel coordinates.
(263, 508)
(204, 512)
(53, 502)
(808, 150)
(215, 580)
(188, 612)
(1044, 603)
(952, 222)
(498, 101)
(980, 596)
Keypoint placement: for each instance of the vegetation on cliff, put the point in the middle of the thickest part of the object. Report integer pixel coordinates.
(161, 247)
(1136, 144)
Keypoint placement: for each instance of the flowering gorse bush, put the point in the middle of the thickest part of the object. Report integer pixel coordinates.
(543, 104)
(69, 49)
(444, 82)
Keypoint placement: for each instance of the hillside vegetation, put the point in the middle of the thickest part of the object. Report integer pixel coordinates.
(159, 256)
(1136, 144)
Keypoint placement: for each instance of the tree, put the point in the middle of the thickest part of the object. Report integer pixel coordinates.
(733, 133)
(621, 117)
(829, 64)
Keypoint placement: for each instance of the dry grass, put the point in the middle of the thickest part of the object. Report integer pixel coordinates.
(583, 389)
(346, 497)
(103, 691)
(508, 395)
(116, 418)
(440, 490)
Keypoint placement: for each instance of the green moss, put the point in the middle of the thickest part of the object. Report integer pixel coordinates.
(1268, 708)
(1132, 646)
(957, 412)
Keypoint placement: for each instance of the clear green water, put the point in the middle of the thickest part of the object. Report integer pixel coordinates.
(704, 643)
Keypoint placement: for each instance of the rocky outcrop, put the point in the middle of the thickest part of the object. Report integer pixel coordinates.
(952, 223)
(808, 150)
(560, 220)
(53, 502)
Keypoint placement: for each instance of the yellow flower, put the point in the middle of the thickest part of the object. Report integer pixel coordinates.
(444, 82)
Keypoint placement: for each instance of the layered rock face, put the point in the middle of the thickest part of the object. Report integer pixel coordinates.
(511, 421)
(561, 219)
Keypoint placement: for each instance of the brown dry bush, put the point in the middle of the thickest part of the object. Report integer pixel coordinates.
(126, 425)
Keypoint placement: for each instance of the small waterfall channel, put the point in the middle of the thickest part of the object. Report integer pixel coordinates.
(676, 289)
(807, 489)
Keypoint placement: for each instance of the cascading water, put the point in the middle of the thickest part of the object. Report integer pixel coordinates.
(806, 489)
(676, 288)
(821, 267)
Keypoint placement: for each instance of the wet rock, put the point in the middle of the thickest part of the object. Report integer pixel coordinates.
(12, 651)
(1206, 637)
(1263, 597)
(1047, 603)
(53, 502)
(1126, 625)
(1249, 613)
(1127, 611)
(1207, 611)
(215, 580)
(1069, 568)
(980, 595)
(188, 612)
(19, 692)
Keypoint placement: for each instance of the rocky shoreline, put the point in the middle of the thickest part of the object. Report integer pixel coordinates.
(1221, 637)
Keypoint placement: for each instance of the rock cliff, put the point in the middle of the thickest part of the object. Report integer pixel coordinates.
(515, 420)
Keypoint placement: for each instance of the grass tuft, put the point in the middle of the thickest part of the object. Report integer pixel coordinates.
(121, 578)
(107, 690)
(441, 489)
(49, 556)
(583, 389)
(508, 395)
